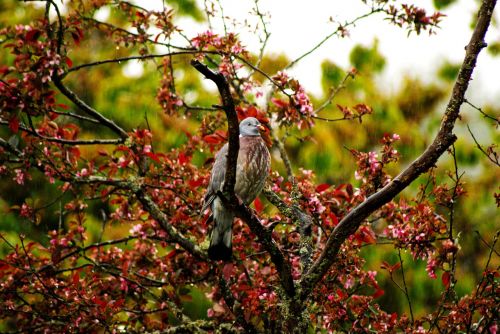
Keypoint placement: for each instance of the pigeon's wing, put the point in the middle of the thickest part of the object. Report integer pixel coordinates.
(216, 178)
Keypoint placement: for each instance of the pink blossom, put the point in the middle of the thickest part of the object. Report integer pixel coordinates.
(431, 267)
(83, 172)
(349, 283)
(20, 176)
(25, 211)
(210, 312)
(123, 284)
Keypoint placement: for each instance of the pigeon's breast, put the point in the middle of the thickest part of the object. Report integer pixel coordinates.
(254, 163)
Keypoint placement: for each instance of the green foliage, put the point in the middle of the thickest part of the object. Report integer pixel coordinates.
(332, 74)
(187, 8)
(448, 71)
(367, 59)
(440, 4)
(494, 48)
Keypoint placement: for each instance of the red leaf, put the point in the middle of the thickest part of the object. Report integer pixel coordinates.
(80, 32)
(33, 35)
(76, 277)
(378, 293)
(171, 254)
(157, 37)
(334, 218)
(14, 124)
(445, 278)
(213, 139)
(125, 266)
(279, 103)
(341, 294)
(322, 187)
(258, 205)
(195, 183)
(75, 152)
(76, 38)
(69, 62)
(153, 156)
(366, 235)
(53, 115)
(184, 159)
(4, 70)
(102, 152)
(390, 268)
(228, 271)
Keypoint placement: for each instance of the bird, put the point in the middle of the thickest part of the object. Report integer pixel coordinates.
(252, 168)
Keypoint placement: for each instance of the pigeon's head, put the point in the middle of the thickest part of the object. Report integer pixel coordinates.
(250, 126)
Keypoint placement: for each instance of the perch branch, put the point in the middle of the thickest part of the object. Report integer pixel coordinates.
(242, 211)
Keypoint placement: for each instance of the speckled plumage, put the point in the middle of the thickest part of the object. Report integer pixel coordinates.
(252, 169)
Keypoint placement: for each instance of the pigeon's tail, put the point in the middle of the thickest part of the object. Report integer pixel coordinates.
(221, 239)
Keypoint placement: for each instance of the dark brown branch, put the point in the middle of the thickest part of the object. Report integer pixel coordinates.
(405, 291)
(80, 117)
(265, 237)
(494, 160)
(88, 109)
(142, 57)
(303, 221)
(35, 133)
(443, 140)
(155, 212)
(496, 120)
(235, 309)
(233, 127)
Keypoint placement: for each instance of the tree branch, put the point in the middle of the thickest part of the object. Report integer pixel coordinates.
(233, 126)
(242, 211)
(444, 139)
(140, 57)
(96, 141)
(88, 109)
(494, 159)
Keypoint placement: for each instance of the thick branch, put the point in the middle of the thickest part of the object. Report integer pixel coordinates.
(282, 265)
(231, 303)
(155, 212)
(443, 140)
(265, 238)
(152, 208)
(233, 127)
(302, 220)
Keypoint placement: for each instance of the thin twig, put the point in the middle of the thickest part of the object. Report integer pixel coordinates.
(339, 29)
(494, 160)
(407, 295)
(496, 120)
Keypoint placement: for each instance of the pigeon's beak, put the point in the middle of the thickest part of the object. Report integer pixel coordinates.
(261, 127)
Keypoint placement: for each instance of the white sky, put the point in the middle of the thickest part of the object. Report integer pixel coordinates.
(297, 26)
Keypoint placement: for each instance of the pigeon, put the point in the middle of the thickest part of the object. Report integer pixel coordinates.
(253, 167)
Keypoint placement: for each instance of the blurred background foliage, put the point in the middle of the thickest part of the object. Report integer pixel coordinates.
(413, 112)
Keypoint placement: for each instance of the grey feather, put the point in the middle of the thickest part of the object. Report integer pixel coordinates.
(252, 168)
